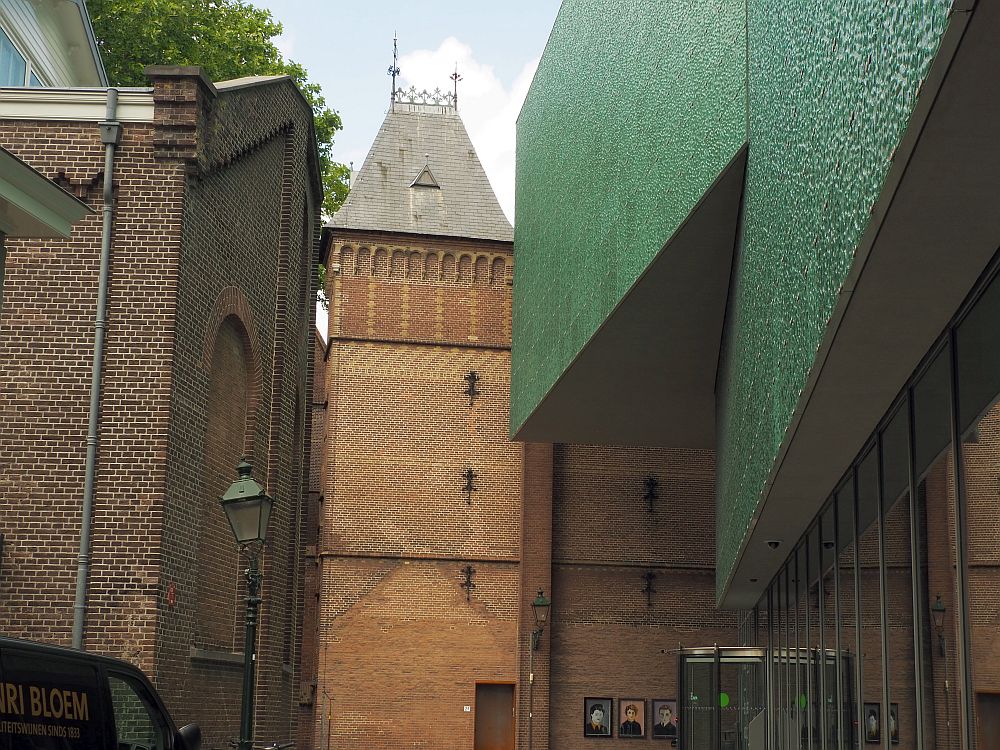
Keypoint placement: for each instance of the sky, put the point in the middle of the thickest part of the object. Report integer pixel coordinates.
(346, 46)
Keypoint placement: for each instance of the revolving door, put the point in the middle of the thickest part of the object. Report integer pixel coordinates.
(735, 698)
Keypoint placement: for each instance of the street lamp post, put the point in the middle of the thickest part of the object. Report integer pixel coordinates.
(540, 609)
(248, 509)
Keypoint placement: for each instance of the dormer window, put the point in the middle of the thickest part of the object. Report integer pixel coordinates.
(425, 178)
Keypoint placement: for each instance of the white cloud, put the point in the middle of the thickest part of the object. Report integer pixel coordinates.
(488, 108)
(285, 43)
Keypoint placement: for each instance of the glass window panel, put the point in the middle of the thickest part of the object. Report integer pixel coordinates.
(867, 491)
(870, 651)
(847, 611)
(932, 412)
(828, 550)
(936, 503)
(814, 556)
(981, 469)
(871, 603)
(35, 81)
(777, 659)
(810, 640)
(978, 351)
(895, 458)
(827, 635)
(13, 66)
(797, 602)
(902, 668)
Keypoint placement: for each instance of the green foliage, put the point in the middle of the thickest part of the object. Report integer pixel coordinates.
(321, 279)
(228, 39)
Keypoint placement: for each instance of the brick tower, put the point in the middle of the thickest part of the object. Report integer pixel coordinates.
(418, 556)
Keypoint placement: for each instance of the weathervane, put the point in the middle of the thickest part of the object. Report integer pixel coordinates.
(394, 68)
(455, 77)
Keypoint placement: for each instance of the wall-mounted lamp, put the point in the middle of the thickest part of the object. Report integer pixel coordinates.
(540, 609)
(652, 491)
(937, 613)
(470, 390)
(469, 487)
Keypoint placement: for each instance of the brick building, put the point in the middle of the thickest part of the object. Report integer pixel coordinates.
(207, 351)
(408, 653)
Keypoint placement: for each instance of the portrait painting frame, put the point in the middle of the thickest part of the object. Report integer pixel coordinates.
(657, 704)
(875, 737)
(894, 723)
(627, 720)
(607, 706)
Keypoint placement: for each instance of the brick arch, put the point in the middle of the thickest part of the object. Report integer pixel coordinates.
(397, 269)
(347, 260)
(380, 263)
(499, 271)
(465, 268)
(432, 267)
(415, 265)
(482, 277)
(448, 270)
(364, 262)
(233, 303)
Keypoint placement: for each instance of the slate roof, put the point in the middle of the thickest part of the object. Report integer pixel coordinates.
(384, 197)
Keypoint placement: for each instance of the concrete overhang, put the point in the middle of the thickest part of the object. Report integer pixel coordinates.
(933, 231)
(32, 205)
(647, 376)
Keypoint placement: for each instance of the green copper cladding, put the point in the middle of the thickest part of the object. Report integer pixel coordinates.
(832, 86)
(636, 108)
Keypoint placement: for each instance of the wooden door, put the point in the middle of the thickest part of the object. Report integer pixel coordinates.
(988, 716)
(494, 717)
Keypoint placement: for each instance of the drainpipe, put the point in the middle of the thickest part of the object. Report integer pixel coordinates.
(110, 135)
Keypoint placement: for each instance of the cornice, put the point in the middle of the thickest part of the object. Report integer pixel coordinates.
(76, 104)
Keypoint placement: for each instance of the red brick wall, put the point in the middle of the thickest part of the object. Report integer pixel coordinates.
(534, 676)
(308, 697)
(46, 350)
(215, 215)
(401, 648)
(606, 640)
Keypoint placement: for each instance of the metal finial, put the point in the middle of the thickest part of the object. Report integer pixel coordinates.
(394, 68)
(455, 77)
(244, 469)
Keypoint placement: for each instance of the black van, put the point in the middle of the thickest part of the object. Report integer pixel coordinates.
(54, 698)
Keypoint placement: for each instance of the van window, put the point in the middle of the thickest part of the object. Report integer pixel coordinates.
(49, 703)
(136, 725)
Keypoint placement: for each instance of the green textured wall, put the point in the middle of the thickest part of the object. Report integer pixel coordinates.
(635, 109)
(832, 86)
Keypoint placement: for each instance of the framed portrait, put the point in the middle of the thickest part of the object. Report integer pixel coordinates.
(632, 718)
(597, 717)
(873, 722)
(894, 723)
(664, 719)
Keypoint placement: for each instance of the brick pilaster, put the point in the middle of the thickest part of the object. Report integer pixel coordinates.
(536, 574)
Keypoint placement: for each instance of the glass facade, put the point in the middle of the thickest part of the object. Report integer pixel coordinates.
(886, 615)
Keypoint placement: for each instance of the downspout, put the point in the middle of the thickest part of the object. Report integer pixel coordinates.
(110, 136)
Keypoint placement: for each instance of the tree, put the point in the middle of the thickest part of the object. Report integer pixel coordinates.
(228, 39)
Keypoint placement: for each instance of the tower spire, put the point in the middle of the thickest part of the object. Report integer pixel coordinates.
(455, 77)
(394, 69)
